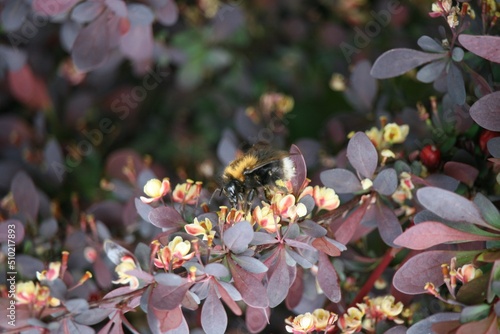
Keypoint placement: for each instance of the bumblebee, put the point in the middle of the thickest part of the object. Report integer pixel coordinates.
(261, 167)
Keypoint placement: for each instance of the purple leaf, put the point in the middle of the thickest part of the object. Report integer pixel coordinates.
(312, 229)
(455, 83)
(300, 169)
(263, 238)
(279, 281)
(27, 265)
(362, 154)
(167, 13)
(117, 6)
(137, 43)
(87, 11)
(115, 252)
(486, 111)
(399, 61)
(166, 217)
(53, 157)
(13, 228)
(238, 236)
(343, 181)
(14, 57)
(328, 246)
(92, 316)
(251, 289)
(420, 269)
(346, 230)
(13, 15)
(494, 147)
(429, 44)
(296, 290)
(463, 172)
(299, 244)
(91, 46)
(68, 33)
(250, 264)
(426, 325)
(388, 224)
(25, 195)
(386, 182)
(450, 206)
(213, 314)
(227, 296)
(216, 269)
(328, 279)
(487, 47)
(397, 330)
(430, 72)
(363, 85)
(140, 14)
(165, 297)
(428, 234)
(256, 319)
(142, 209)
(52, 7)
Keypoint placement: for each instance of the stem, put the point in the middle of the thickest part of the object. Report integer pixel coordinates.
(388, 256)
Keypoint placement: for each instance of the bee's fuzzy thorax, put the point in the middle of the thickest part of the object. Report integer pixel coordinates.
(288, 168)
(237, 168)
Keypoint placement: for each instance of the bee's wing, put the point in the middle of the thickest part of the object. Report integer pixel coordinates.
(260, 165)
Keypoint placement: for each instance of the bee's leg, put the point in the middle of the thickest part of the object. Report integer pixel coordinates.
(249, 199)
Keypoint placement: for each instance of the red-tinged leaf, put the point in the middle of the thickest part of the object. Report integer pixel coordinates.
(165, 297)
(324, 245)
(455, 84)
(228, 299)
(28, 88)
(421, 269)
(296, 290)
(300, 169)
(362, 154)
(256, 319)
(386, 182)
(487, 47)
(251, 289)
(25, 195)
(487, 325)
(396, 330)
(69, 326)
(213, 314)
(163, 321)
(328, 279)
(486, 111)
(399, 61)
(343, 181)
(450, 206)
(238, 236)
(346, 230)
(250, 264)
(299, 244)
(92, 316)
(388, 224)
(437, 180)
(216, 269)
(428, 234)
(91, 46)
(166, 217)
(279, 281)
(463, 172)
(102, 273)
(117, 6)
(52, 7)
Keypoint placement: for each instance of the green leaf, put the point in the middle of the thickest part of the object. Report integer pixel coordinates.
(474, 313)
(488, 210)
(473, 292)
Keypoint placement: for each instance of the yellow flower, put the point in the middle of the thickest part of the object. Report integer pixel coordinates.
(351, 321)
(389, 309)
(375, 136)
(155, 189)
(303, 323)
(324, 319)
(468, 272)
(337, 82)
(287, 208)
(174, 254)
(187, 193)
(395, 134)
(51, 274)
(127, 264)
(196, 228)
(26, 292)
(325, 198)
(266, 218)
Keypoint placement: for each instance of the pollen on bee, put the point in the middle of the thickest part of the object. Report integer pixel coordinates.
(238, 166)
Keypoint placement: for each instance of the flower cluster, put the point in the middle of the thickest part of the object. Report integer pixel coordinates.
(390, 134)
(445, 8)
(123, 270)
(185, 193)
(173, 255)
(320, 320)
(35, 295)
(366, 315)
